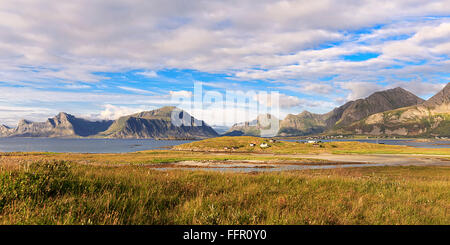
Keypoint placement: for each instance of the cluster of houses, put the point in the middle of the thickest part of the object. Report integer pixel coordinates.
(263, 144)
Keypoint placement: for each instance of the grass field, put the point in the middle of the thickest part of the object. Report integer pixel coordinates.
(154, 157)
(75, 188)
(61, 192)
(242, 144)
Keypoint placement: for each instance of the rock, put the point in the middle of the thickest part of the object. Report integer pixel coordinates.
(159, 124)
(62, 125)
(427, 119)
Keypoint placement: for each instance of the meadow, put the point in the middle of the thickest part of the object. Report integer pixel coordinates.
(128, 188)
(62, 192)
(242, 144)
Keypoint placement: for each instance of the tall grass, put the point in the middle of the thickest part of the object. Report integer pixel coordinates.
(59, 192)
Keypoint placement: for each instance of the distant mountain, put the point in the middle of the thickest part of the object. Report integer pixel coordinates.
(377, 102)
(308, 123)
(441, 100)
(390, 112)
(148, 124)
(431, 118)
(62, 125)
(220, 129)
(252, 128)
(302, 124)
(158, 124)
(4, 130)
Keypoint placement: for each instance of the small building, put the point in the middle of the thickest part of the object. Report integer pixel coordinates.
(264, 145)
(312, 141)
(252, 145)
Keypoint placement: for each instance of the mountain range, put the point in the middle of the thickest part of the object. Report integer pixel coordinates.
(390, 112)
(430, 118)
(148, 124)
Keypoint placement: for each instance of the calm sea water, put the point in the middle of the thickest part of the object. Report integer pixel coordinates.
(432, 144)
(84, 145)
(131, 145)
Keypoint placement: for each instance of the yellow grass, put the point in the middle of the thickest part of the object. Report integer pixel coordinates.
(86, 194)
(242, 144)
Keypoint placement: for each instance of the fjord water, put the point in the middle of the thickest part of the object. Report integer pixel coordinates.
(84, 145)
(131, 145)
(407, 142)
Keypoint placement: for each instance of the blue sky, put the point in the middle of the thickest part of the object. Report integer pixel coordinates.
(105, 59)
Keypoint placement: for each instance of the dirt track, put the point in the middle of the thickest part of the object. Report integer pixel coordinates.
(387, 159)
(335, 161)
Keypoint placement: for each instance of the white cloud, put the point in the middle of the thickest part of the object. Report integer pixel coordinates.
(420, 88)
(150, 74)
(310, 88)
(49, 44)
(78, 38)
(284, 101)
(360, 90)
(223, 116)
(181, 93)
(112, 112)
(135, 90)
(10, 115)
(289, 101)
(76, 86)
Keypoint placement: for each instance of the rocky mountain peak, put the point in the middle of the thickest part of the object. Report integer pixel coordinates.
(158, 124)
(62, 116)
(442, 97)
(24, 122)
(398, 97)
(161, 113)
(377, 102)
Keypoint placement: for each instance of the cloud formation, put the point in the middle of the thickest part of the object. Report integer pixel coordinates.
(64, 40)
(55, 50)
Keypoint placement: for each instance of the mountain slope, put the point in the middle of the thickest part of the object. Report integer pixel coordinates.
(62, 125)
(431, 118)
(252, 128)
(158, 124)
(377, 102)
(302, 124)
(5, 130)
(308, 123)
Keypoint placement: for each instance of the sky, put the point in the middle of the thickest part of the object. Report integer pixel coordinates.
(103, 59)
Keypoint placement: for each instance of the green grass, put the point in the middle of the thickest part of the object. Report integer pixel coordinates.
(242, 144)
(140, 158)
(61, 192)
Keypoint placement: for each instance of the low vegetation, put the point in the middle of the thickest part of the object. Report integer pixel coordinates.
(73, 188)
(61, 192)
(242, 144)
(154, 157)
